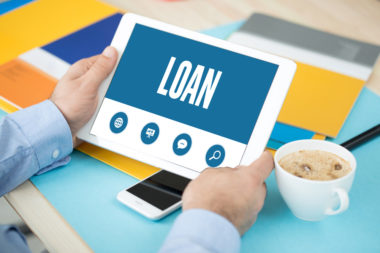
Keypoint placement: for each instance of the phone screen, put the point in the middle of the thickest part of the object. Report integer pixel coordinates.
(161, 190)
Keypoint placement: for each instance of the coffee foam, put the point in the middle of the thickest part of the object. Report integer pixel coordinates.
(315, 165)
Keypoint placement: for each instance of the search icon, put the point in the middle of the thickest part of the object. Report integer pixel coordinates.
(215, 156)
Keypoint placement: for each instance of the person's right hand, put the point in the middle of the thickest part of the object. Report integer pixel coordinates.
(238, 193)
(76, 94)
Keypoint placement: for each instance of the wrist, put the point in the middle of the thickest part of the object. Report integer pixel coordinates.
(46, 130)
(205, 229)
(219, 211)
(73, 137)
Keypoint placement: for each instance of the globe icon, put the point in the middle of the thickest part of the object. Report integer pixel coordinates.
(118, 122)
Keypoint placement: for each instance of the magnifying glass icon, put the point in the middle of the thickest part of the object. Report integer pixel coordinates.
(216, 155)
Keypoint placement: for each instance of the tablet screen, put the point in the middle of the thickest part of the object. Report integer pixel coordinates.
(183, 101)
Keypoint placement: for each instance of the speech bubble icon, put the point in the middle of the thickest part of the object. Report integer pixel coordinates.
(182, 144)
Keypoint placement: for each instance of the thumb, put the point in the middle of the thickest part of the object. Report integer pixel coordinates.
(101, 68)
(262, 167)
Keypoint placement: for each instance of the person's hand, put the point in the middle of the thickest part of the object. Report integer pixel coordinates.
(76, 94)
(238, 193)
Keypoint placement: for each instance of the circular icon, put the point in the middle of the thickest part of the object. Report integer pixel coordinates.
(149, 133)
(118, 122)
(215, 156)
(182, 144)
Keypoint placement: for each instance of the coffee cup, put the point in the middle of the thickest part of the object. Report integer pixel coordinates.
(313, 200)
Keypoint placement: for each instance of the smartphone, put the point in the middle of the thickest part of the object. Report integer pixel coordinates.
(155, 196)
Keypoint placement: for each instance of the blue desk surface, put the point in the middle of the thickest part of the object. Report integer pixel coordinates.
(84, 193)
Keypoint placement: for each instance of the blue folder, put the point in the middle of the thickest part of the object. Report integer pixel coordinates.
(86, 42)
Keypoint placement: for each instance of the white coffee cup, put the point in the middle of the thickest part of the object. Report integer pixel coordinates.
(313, 200)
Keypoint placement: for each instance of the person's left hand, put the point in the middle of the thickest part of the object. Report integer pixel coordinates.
(76, 94)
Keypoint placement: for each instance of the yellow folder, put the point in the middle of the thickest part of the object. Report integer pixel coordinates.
(44, 21)
(311, 98)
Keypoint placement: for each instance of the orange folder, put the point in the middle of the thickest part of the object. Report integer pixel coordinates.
(24, 84)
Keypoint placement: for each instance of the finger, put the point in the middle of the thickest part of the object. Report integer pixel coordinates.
(261, 196)
(101, 68)
(80, 67)
(262, 167)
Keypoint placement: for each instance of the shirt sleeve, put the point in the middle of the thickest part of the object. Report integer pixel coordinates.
(12, 240)
(202, 231)
(33, 140)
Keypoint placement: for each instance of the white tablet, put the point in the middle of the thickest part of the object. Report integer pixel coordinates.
(184, 101)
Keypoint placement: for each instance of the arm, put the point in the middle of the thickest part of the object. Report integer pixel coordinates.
(40, 138)
(218, 205)
(33, 141)
(202, 231)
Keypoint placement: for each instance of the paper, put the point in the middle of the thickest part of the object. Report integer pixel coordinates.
(7, 106)
(285, 133)
(274, 144)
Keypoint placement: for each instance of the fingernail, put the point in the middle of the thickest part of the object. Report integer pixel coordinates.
(109, 52)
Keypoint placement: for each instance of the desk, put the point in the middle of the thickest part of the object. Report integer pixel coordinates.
(354, 19)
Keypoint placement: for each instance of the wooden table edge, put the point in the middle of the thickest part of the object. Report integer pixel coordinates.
(44, 220)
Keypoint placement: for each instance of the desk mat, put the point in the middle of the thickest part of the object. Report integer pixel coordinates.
(84, 193)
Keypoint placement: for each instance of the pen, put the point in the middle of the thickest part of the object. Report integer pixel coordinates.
(357, 140)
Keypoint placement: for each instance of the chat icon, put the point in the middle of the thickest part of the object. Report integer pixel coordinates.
(182, 144)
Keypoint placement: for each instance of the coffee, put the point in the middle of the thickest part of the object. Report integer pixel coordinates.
(315, 165)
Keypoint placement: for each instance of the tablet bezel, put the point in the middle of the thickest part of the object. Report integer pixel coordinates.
(264, 124)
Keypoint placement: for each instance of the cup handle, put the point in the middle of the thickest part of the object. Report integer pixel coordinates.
(343, 202)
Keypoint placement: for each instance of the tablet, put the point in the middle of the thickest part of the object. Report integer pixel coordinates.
(184, 101)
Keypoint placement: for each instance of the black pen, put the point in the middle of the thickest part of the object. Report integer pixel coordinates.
(357, 140)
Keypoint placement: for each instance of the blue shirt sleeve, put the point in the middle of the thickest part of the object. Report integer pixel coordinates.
(33, 140)
(12, 240)
(202, 231)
